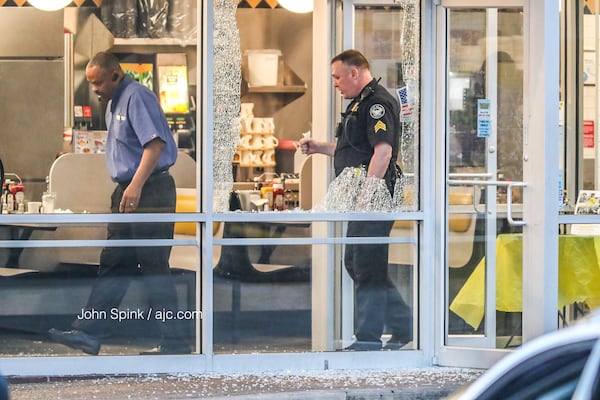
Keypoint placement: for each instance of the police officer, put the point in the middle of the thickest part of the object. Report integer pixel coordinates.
(368, 137)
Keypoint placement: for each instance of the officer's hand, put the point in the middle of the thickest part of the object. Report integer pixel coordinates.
(307, 145)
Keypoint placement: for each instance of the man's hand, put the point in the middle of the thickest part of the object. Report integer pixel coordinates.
(311, 146)
(130, 199)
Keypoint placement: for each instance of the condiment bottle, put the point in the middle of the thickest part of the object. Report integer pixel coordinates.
(17, 190)
(3, 204)
(257, 184)
(267, 193)
(8, 199)
(278, 197)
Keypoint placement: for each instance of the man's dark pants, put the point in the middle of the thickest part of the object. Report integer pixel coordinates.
(118, 265)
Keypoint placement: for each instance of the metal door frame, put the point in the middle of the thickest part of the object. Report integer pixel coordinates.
(540, 154)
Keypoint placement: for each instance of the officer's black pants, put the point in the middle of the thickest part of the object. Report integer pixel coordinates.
(377, 300)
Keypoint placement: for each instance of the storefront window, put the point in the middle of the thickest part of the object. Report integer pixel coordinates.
(589, 88)
(250, 308)
(262, 293)
(62, 198)
(389, 37)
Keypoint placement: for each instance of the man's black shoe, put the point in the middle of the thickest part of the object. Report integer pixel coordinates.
(76, 340)
(394, 345)
(363, 346)
(171, 349)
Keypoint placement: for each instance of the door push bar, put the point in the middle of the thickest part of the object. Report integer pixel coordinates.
(509, 186)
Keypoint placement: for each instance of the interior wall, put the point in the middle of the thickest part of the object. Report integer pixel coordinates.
(291, 33)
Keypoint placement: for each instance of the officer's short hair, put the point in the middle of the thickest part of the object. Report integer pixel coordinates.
(353, 58)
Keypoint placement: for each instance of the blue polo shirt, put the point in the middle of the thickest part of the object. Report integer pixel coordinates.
(134, 118)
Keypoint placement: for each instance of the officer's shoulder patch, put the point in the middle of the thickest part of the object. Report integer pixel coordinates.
(380, 126)
(376, 111)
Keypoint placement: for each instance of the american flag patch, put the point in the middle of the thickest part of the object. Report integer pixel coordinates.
(406, 108)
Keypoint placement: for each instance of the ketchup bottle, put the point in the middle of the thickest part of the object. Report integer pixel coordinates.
(278, 197)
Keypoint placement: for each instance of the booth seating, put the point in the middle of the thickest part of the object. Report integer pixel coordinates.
(245, 290)
(466, 241)
(461, 240)
(82, 182)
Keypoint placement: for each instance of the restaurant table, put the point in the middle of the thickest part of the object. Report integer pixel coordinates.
(578, 277)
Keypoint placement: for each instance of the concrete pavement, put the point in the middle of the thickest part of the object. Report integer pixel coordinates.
(414, 383)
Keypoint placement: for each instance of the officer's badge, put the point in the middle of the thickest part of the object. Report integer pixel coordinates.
(376, 111)
(380, 125)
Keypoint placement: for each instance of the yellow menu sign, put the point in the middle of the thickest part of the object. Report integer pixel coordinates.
(173, 89)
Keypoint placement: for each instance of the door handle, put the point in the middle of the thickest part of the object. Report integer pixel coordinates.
(456, 177)
(509, 185)
(509, 217)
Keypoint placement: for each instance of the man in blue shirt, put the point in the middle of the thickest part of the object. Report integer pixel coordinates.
(139, 151)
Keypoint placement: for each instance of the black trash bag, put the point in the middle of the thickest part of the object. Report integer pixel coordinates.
(235, 262)
(152, 18)
(120, 17)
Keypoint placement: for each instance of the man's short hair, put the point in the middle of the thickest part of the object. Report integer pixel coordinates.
(353, 58)
(105, 61)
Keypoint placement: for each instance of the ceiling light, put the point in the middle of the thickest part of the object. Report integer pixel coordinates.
(49, 5)
(297, 6)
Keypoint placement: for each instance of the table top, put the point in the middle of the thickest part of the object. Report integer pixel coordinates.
(578, 277)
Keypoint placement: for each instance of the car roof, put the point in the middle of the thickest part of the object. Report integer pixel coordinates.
(587, 329)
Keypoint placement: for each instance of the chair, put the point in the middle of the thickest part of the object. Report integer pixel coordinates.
(466, 248)
(466, 238)
(81, 183)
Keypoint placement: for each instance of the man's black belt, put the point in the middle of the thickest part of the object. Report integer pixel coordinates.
(154, 176)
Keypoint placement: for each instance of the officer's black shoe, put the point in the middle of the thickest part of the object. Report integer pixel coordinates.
(76, 340)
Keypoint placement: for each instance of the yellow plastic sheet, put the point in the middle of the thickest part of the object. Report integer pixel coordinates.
(578, 277)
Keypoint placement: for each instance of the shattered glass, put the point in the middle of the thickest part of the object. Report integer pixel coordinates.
(226, 95)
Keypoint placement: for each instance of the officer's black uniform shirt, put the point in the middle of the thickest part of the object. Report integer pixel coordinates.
(370, 118)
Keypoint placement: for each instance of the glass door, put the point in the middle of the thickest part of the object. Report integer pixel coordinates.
(484, 131)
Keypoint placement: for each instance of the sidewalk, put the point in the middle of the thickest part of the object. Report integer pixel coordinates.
(421, 383)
